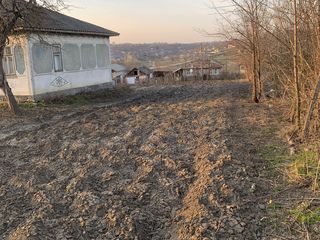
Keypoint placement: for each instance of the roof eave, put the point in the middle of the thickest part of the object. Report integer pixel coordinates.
(98, 34)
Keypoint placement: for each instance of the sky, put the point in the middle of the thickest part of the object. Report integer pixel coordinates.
(149, 21)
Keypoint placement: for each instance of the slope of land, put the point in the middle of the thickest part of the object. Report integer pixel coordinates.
(175, 162)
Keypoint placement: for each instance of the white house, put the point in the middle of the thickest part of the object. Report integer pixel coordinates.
(56, 56)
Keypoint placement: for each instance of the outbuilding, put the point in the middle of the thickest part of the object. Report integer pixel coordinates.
(58, 55)
(199, 70)
(139, 75)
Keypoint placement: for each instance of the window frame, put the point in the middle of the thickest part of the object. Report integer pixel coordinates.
(57, 53)
(36, 46)
(15, 47)
(66, 61)
(5, 62)
(85, 67)
(105, 55)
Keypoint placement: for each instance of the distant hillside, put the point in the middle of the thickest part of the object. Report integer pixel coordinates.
(147, 53)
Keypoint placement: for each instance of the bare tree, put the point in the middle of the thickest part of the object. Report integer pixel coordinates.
(11, 13)
(248, 33)
(279, 41)
(295, 63)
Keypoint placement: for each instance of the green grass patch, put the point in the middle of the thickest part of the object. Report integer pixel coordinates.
(277, 157)
(77, 100)
(303, 214)
(91, 97)
(306, 166)
(296, 168)
(32, 105)
(274, 206)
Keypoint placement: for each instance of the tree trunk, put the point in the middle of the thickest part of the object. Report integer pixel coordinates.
(311, 109)
(254, 62)
(4, 86)
(255, 83)
(258, 50)
(260, 94)
(295, 63)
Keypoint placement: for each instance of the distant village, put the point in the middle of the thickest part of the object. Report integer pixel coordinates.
(150, 63)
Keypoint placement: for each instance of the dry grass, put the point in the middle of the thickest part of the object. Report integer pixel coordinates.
(294, 206)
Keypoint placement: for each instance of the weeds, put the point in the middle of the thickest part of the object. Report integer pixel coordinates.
(77, 100)
(274, 206)
(304, 215)
(2, 104)
(305, 167)
(31, 105)
(276, 156)
(91, 97)
(290, 207)
(302, 167)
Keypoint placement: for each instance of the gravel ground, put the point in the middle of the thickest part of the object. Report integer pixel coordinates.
(175, 162)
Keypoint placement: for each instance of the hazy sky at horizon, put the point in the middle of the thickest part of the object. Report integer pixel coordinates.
(145, 21)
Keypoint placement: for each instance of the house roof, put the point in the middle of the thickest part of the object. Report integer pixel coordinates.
(145, 70)
(39, 19)
(214, 66)
(118, 67)
(206, 64)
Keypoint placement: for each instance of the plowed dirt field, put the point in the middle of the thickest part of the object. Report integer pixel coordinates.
(174, 162)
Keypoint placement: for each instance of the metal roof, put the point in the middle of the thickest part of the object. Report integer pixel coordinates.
(145, 70)
(118, 67)
(39, 19)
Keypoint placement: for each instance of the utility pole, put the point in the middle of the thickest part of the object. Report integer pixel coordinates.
(295, 64)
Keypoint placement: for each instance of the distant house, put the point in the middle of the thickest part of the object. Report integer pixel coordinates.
(56, 56)
(229, 57)
(118, 73)
(161, 73)
(243, 69)
(205, 70)
(138, 75)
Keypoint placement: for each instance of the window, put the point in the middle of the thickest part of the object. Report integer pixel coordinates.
(215, 71)
(57, 58)
(19, 59)
(8, 61)
(190, 72)
(88, 56)
(71, 57)
(42, 58)
(103, 59)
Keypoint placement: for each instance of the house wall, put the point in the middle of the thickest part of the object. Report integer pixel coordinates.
(197, 73)
(20, 83)
(69, 82)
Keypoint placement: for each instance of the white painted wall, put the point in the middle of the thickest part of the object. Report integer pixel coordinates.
(20, 84)
(45, 83)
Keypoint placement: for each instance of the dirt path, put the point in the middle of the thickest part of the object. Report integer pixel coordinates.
(175, 163)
